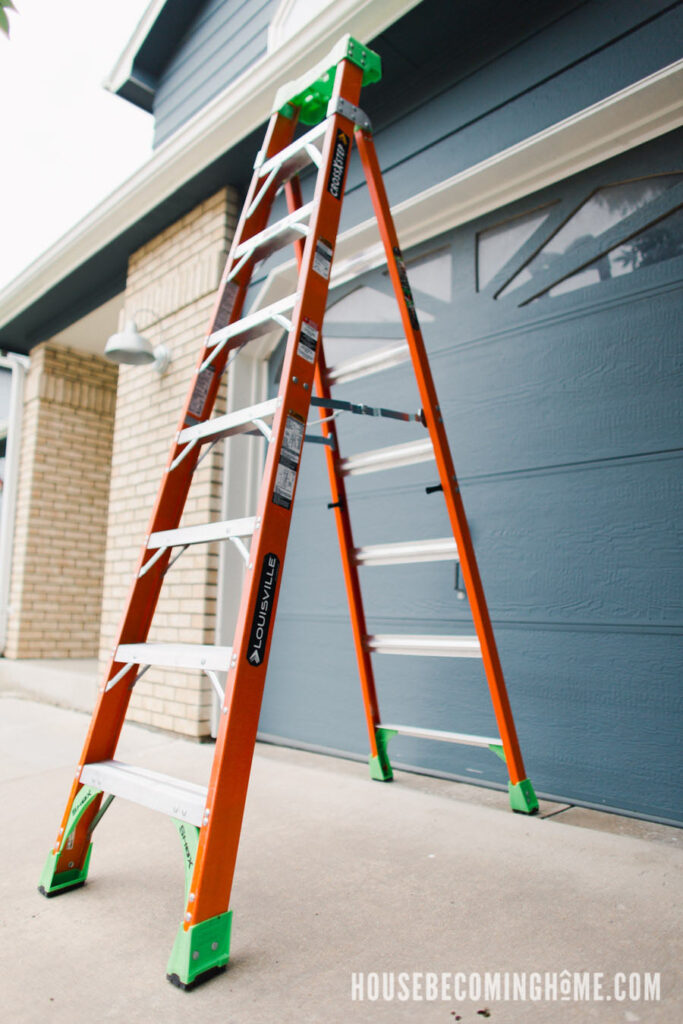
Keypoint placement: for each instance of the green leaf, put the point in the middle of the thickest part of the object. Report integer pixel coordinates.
(4, 23)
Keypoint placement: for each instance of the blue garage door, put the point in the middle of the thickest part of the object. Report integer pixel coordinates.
(554, 330)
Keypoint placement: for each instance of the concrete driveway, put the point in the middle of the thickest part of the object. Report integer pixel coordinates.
(353, 901)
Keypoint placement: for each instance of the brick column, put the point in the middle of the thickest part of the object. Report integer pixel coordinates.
(61, 516)
(176, 276)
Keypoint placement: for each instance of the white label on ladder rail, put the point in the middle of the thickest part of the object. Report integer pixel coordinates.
(322, 259)
(225, 308)
(308, 340)
(285, 477)
(201, 390)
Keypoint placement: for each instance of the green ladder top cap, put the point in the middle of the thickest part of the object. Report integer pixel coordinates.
(311, 93)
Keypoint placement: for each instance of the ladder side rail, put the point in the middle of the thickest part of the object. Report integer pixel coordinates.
(219, 836)
(444, 461)
(110, 710)
(342, 521)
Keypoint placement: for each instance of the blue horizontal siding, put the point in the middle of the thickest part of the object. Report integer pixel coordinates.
(223, 42)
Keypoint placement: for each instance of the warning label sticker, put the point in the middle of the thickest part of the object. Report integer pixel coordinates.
(201, 390)
(308, 340)
(225, 308)
(405, 288)
(285, 477)
(341, 155)
(322, 258)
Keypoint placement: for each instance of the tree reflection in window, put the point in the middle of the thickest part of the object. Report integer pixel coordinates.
(497, 245)
(663, 241)
(601, 211)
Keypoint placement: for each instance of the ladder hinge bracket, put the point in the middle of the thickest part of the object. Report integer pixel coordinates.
(264, 429)
(346, 109)
(243, 550)
(220, 693)
(124, 672)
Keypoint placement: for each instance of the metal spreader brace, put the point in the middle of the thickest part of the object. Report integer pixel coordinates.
(209, 819)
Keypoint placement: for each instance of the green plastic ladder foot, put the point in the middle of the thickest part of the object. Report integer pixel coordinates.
(53, 882)
(380, 766)
(201, 952)
(522, 797)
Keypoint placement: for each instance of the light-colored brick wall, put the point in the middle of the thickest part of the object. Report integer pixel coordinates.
(176, 276)
(61, 515)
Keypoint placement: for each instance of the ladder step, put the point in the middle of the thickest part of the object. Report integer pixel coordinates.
(242, 421)
(182, 800)
(446, 737)
(255, 324)
(202, 534)
(364, 366)
(424, 645)
(442, 550)
(275, 237)
(202, 656)
(398, 455)
(293, 158)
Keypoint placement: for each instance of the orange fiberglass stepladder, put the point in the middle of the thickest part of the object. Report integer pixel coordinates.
(209, 820)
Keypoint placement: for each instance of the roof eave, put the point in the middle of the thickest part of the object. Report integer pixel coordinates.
(123, 69)
(243, 106)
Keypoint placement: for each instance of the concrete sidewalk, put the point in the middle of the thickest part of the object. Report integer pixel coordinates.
(335, 875)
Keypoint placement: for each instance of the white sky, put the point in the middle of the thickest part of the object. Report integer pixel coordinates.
(65, 143)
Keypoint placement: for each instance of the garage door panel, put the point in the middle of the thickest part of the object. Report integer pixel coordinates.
(531, 396)
(600, 729)
(313, 694)
(564, 422)
(534, 397)
(598, 544)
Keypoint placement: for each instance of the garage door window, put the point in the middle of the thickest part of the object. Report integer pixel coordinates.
(615, 230)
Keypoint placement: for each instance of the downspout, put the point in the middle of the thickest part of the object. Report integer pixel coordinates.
(18, 366)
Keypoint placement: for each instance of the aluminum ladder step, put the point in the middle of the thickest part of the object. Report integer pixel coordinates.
(408, 454)
(242, 421)
(182, 800)
(278, 169)
(443, 549)
(367, 364)
(254, 324)
(203, 534)
(275, 237)
(423, 645)
(446, 737)
(293, 158)
(201, 656)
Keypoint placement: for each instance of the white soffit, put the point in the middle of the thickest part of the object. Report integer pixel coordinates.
(628, 118)
(231, 116)
(90, 333)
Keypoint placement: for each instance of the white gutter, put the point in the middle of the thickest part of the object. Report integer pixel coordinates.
(18, 365)
(242, 106)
